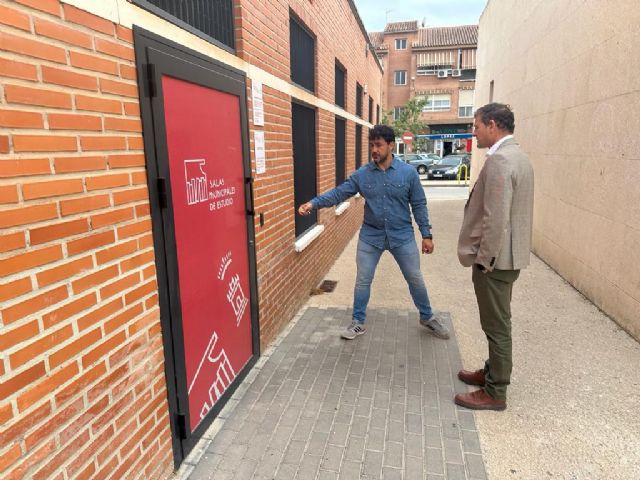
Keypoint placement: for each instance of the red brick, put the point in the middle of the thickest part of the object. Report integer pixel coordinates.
(124, 33)
(24, 167)
(73, 121)
(126, 160)
(123, 318)
(128, 72)
(135, 143)
(16, 383)
(103, 349)
(41, 97)
(118, 88)
(12, 241)
(65, 271)
(104, 182)
(44, 143)
(79, 164)
(119, 285)
(20, 119)
(75, 15)
(15, 69)
(14, 18)
(84, 204)
(93, 62)
(117, 251)
(32, 48)
(95, 104)
(90, 242)
(94, 279)
(146, 241)
(47, 6)
(65, 34)
(129, 196)
(132, 109)
(13, 453)
(30, 259)
(114, 49)
(60, 457)
(93, 412)
(112, 217)
(60, 418)
(58, 230)
(31, 459)
(73, 350)
(52, 188)
(122, 124)
(4, 144)
(9, 194)
(6, 414)
(99, 314)
(45, 387)
(134, 229)
(140, 292)
(66, 78)
(107, 383)
(18, 335)
(80, 383)
(29, 307)
(72, 308)
(142, 210)
(102, 142)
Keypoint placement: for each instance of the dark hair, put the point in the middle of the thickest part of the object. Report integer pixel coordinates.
(382, 131)
(499, 113)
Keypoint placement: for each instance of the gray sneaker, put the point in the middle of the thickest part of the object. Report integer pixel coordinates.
(435, 327)
(353, 330)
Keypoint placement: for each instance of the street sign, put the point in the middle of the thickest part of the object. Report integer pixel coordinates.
(407, 137)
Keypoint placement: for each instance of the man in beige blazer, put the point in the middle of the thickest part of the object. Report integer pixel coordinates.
(495, 240)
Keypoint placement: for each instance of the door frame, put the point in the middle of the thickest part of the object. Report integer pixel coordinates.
(156, 56)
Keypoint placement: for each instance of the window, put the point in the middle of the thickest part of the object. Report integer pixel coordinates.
(358, 100)
(437, 103)
(340, 150)
(377, 114)
(465, 103)
(214, 19)
(400, 77)
(302, 51)
(401, 43)
(431, 69)
(303, 121)
(396, 112)
(339, 87)
(370, 110)
(358, 146)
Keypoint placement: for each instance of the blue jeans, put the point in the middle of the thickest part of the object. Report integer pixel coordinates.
(408, 259)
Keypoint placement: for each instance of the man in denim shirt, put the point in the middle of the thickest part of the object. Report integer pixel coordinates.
(390, 187)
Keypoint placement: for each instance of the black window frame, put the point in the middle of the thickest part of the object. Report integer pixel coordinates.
(359, 94)
(358, 146)
(340, 87)
(340, 142)
(157, 10)
(302, 55)
(305, 164)
(370, 109)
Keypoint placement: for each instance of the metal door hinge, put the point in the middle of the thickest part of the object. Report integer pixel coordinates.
(162, 192)
(181, 423)
(150, 73)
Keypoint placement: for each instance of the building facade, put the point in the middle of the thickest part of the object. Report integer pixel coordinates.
(575, 111)
(437, 64)
(151, 161)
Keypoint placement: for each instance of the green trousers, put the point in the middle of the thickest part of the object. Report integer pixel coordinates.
(493, 293)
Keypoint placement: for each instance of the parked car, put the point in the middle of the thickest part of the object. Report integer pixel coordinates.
(422, 161)
(449, 167)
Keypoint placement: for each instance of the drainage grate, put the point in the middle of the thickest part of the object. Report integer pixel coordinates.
(328, 286)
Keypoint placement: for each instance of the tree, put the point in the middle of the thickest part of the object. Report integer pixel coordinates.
(409, 120)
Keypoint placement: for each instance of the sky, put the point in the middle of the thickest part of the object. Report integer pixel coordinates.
(437, 13)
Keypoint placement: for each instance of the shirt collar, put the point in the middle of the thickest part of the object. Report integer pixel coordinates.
(496, 145)
(394, 164)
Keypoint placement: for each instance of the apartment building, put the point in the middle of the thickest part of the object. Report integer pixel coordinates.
(437, 64)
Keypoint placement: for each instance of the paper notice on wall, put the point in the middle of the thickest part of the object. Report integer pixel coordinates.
(257, 103)
(258, 141)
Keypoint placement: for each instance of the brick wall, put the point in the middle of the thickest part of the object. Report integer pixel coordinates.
(82, 390)
(284, 276)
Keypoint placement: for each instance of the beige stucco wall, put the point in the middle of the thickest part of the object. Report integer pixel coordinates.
(570, 69)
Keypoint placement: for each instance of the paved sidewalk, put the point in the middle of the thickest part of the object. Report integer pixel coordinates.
(375, 407)
(572, 408)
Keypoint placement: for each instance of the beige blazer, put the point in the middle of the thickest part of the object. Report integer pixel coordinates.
(496, 230)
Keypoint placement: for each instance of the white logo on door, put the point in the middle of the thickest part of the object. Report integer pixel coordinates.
(224, 373)
(196, 181)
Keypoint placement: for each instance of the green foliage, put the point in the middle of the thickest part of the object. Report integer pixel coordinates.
(409, 118)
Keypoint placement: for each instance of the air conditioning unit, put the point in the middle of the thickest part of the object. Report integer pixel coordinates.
(442, 74)
(456, 72)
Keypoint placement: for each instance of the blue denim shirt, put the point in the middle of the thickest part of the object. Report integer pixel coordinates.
(388, 194)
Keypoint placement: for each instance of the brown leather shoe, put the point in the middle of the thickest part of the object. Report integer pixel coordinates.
(472, 378)
(479, 400)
